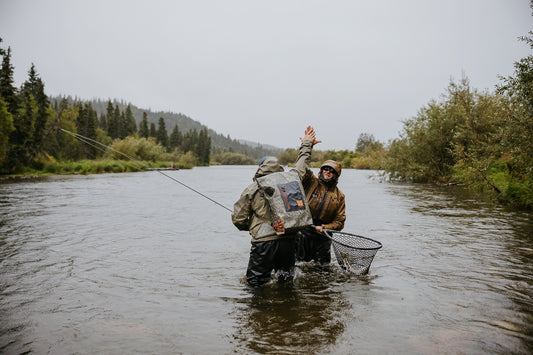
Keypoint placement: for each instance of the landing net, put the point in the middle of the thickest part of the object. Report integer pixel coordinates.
(354, 253)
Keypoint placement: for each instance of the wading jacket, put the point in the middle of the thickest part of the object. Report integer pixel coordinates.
(325, 202)
(252, 212)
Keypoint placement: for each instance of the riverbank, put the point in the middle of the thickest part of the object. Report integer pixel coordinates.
(86, 167)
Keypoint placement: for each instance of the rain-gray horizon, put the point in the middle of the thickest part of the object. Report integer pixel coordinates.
(263, 71)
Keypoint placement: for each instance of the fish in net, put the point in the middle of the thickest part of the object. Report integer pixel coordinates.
(354, 253)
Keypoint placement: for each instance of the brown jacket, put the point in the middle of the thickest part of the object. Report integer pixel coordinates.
(325, 202)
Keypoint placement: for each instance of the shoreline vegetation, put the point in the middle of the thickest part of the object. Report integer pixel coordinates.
(480, 140)
(87, 167)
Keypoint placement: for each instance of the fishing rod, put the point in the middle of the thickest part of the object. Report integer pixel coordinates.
(99, 145)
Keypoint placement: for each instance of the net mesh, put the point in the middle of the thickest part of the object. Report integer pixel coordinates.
(354, 253)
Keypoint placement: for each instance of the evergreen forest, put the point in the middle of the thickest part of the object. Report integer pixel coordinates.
(34, 138)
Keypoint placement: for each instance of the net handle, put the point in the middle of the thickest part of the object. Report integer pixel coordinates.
(326, 234)
(327, 231)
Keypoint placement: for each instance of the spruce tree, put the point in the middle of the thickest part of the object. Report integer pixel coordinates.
(153, 131)
(144, 132)
(131, 125)
(20, 140)
(114, 123)
(203, 147)
(122, 126)
(7, 89)
(162, 135)
(34, 86)
(109, 118)
(6, 127)
(102, 122)
(86, 126)
(175, 138)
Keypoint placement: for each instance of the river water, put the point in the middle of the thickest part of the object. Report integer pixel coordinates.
(137, 263)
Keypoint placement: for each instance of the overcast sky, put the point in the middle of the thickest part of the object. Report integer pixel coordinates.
(263, 70)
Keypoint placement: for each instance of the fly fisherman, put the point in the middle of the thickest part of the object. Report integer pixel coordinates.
(327, 206)
(270, 250)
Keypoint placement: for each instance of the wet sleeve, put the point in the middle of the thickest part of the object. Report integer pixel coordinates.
(242, 211)
(304, 158)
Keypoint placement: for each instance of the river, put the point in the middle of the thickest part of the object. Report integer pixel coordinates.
(137, 263)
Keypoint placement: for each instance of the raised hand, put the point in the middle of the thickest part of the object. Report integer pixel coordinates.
(310, 135)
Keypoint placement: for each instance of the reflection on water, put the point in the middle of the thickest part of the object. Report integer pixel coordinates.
(306, 317)
(125, 263)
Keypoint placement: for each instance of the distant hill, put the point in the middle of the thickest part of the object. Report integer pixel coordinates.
(219, 142)
(256, 144)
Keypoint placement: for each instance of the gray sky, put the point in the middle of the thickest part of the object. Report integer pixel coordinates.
(263, 70)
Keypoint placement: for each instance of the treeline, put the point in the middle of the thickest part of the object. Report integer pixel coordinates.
(223, 148)
(34, 133)
(478, 139)
(367, 154)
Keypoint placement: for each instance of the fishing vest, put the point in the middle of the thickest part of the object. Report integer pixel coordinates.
(285, 195)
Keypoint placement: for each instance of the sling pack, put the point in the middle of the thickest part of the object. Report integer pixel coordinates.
(285, 195)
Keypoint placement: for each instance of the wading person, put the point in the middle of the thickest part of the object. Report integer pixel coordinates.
(326, 203)
(271, 248)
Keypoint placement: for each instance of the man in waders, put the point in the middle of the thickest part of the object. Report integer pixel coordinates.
(271, 248)
(326, 203)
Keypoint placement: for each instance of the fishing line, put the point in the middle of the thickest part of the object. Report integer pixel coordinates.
(98, 145)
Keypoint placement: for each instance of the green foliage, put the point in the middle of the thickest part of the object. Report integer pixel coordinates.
(8, 92)
(141, 149)
(84, 167)
(86, 124)
(228, 158)
(203, 147)
(468, 138)
(480, 140)
(372, 157)
(289, 156)
(129, 126)
(6, 127)
(367, 142)
(144, 132)
(444, 134)
(161, 134)
(517, 137)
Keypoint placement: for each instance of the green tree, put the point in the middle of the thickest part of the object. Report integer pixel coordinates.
(131, 125)
(19, 154)
(162, 135)
(519, 130)
(86, 126)
(175, 138)
(7, 89)
(153, 130)
(109, 124)
(69, 148)
(424, 152)
(189, 142)
(203, 147)
(367, 141)
(114, 123)
(34, 86)
(144, 132)
(6, 127)
(102, 122)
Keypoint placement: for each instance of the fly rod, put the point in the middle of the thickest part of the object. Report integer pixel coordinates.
(98, 145)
